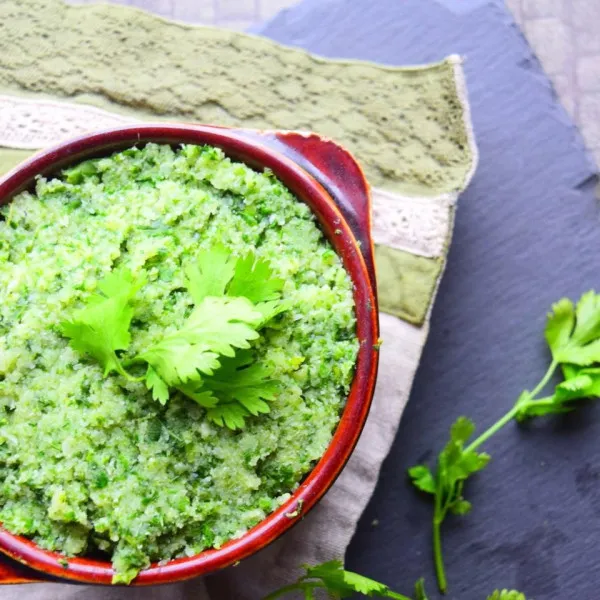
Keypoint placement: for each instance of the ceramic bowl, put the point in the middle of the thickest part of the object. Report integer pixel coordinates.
(329, 180)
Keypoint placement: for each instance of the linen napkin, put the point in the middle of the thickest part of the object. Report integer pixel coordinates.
(65, 70)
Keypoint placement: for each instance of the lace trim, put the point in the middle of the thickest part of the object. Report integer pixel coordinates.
(33, 124)
(417, 225)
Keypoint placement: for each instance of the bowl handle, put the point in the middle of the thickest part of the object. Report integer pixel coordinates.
(338, 172)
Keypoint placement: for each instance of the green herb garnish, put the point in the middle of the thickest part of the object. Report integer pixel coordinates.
(573, 336)
(506, 595)
(102, 326)
(216, 327)
(332, 578)
(241, 387)
(208, 357)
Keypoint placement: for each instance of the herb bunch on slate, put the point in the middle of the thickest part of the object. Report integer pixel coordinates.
(573, 336)
(208, 359)
(331, 578)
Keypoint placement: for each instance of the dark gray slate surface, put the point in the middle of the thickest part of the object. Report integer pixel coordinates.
(527, 232)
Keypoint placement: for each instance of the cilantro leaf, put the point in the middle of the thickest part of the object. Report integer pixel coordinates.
(572, 332)
(176, 360)
(160, 390)
(101, 327)
(253, 278)
(420, 590)
(216, 273)
(233, 297)
(569, 371)
(344, 583)
(195, 391)
(239, 388)
(506, 595)
(223, 324)
(587, 326)
(456, 464)
(422, 478)
(580, 355)
(582, 384)
(269, 310)
(559, 324)
(230, 414)
(461, 430)
(242, 379)
(339, 583)
(210, 274)
(117, 282)
(215, 327)
(460, 507)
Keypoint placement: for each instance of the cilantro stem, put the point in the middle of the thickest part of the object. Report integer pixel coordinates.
(440, 572)
(509, 416)
(488, 433)
(545, 379)
(136, 360)
(121, 371)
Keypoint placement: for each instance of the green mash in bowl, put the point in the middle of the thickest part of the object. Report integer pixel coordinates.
(92, 460)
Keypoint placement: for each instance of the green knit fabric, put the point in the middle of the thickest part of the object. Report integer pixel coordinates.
(405, 125)
(407, 282)
(10, 158)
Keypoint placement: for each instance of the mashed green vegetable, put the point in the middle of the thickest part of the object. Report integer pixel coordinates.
(93, 464)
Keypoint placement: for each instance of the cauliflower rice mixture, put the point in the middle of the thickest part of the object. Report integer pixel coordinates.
(92, 464)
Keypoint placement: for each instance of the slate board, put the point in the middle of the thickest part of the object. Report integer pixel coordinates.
(527, 233)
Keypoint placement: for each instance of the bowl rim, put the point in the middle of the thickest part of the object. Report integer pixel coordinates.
(347, 432)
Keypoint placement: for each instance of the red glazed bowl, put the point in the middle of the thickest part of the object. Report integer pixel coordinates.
(329, 180)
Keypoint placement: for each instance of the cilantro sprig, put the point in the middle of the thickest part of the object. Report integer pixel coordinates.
(101, 328)
(332, 578)
(241, 387)
(216, 327)
(507, 595)
(573, 336)
(208, 359)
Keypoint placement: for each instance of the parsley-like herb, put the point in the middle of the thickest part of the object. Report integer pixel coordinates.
(207, 358)
(216, 327)
(210, 274)
(507, 595)
(420, 590)
(216, 273)
(102, 326)
(573, 336)
(332, 578)
(241, 387)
